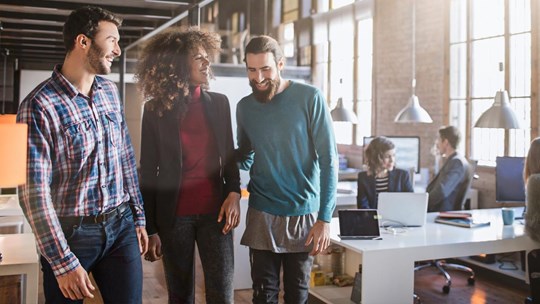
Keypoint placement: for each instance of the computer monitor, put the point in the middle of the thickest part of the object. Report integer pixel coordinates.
(407, 151)
(509, 185)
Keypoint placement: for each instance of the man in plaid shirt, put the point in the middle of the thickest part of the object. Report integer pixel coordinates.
(82, 194)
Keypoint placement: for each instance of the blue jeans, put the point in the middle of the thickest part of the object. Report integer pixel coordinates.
(265, 271)
(110, 251)
(217, 257)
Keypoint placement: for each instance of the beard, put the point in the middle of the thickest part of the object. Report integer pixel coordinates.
(96, 56)
(265, 96)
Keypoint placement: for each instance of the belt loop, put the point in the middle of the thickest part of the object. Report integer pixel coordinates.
(80, 221)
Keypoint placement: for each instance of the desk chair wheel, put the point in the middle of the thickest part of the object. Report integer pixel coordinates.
(471, 281)
(528, 300)
(446, 289)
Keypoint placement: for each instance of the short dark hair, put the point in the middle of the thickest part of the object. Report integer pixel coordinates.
(264, 44)
(375, 153)
(451, 134)
(85, 20)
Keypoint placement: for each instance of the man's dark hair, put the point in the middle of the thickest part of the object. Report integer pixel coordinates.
(85, 20)
(451, 134)
(264, 44)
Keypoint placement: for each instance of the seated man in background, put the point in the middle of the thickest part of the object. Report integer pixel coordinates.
(444, 189)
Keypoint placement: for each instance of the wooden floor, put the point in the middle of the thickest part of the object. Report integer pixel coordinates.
(489, 288)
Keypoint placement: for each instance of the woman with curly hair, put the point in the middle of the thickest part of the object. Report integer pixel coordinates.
(189, 180)
(381, 176)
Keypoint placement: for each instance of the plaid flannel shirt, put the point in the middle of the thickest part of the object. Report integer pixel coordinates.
(80, 161)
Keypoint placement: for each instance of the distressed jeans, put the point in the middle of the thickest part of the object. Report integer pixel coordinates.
(110, 251)
(265, 271)
(217, 257)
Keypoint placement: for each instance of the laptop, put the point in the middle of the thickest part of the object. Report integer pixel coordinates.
(402, 209)
(358, 224)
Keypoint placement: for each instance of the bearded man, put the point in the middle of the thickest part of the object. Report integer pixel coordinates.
(285, 136)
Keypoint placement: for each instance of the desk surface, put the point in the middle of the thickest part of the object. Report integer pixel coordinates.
(18, 249)
(434, 234)
(9, 205)
(19, 256)
(390, 261)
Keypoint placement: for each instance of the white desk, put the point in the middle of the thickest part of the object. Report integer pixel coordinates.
(19, 256)
(9, 206)
(388, 264)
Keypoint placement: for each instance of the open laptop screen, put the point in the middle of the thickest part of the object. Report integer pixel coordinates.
(358, 224)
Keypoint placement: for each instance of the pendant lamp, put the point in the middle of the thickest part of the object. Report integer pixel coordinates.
(413, 111)
(340, 113)
(500, 115)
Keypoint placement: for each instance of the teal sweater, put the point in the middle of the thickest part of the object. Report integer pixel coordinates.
(289, 147)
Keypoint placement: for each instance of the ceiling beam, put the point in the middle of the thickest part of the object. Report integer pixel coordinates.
(70, 6)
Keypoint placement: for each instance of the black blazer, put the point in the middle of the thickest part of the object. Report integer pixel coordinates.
(161, 159)
(398, 181)
(445, 187)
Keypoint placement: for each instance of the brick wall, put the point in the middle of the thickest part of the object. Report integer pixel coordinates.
(393, 75)
(393, 67)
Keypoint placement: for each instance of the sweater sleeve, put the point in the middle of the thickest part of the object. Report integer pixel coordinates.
(322, 135)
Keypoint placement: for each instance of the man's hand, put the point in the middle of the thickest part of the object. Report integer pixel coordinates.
(154, 248)
(231, 211)
(320, 236)
(76, 284)
(142, 236)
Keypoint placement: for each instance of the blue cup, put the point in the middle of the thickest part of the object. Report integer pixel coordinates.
(507, 216)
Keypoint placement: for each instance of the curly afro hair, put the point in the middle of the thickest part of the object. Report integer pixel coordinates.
(163, 71)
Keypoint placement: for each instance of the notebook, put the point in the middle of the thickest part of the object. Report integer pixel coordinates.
(402, 209)
(358, 224)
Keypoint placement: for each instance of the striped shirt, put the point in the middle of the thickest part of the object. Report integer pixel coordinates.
(381, 184)
(80, 161)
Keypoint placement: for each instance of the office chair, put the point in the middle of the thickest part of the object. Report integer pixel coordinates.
(459, 204)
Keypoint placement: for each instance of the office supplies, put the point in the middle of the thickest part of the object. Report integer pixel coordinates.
(461, 222)
(454, 215)
(407, 209)
(358, 224)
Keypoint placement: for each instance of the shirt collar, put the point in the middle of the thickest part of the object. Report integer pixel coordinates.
(67, 87)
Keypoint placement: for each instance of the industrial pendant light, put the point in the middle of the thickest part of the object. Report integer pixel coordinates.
(500, 115)
(413, 112)
(340, 113)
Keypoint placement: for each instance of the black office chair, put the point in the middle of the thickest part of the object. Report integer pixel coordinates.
(459, 204)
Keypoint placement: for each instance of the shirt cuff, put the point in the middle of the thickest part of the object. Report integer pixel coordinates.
(65, 265)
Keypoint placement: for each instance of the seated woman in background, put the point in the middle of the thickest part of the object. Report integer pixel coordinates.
(531, 175)
(381, 176)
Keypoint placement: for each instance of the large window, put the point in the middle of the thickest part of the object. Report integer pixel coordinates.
(343, 66)
(490, 50)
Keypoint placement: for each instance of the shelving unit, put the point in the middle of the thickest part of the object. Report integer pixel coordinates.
(515, 258)
(332, 294)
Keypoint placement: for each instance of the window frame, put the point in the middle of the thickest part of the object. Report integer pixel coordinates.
(467, 128)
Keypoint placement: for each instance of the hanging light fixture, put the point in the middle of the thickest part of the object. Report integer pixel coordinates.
(340, 113)
(413, 112)
(500, 115)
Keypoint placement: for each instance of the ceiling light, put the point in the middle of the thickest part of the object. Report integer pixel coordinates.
(413, 112)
